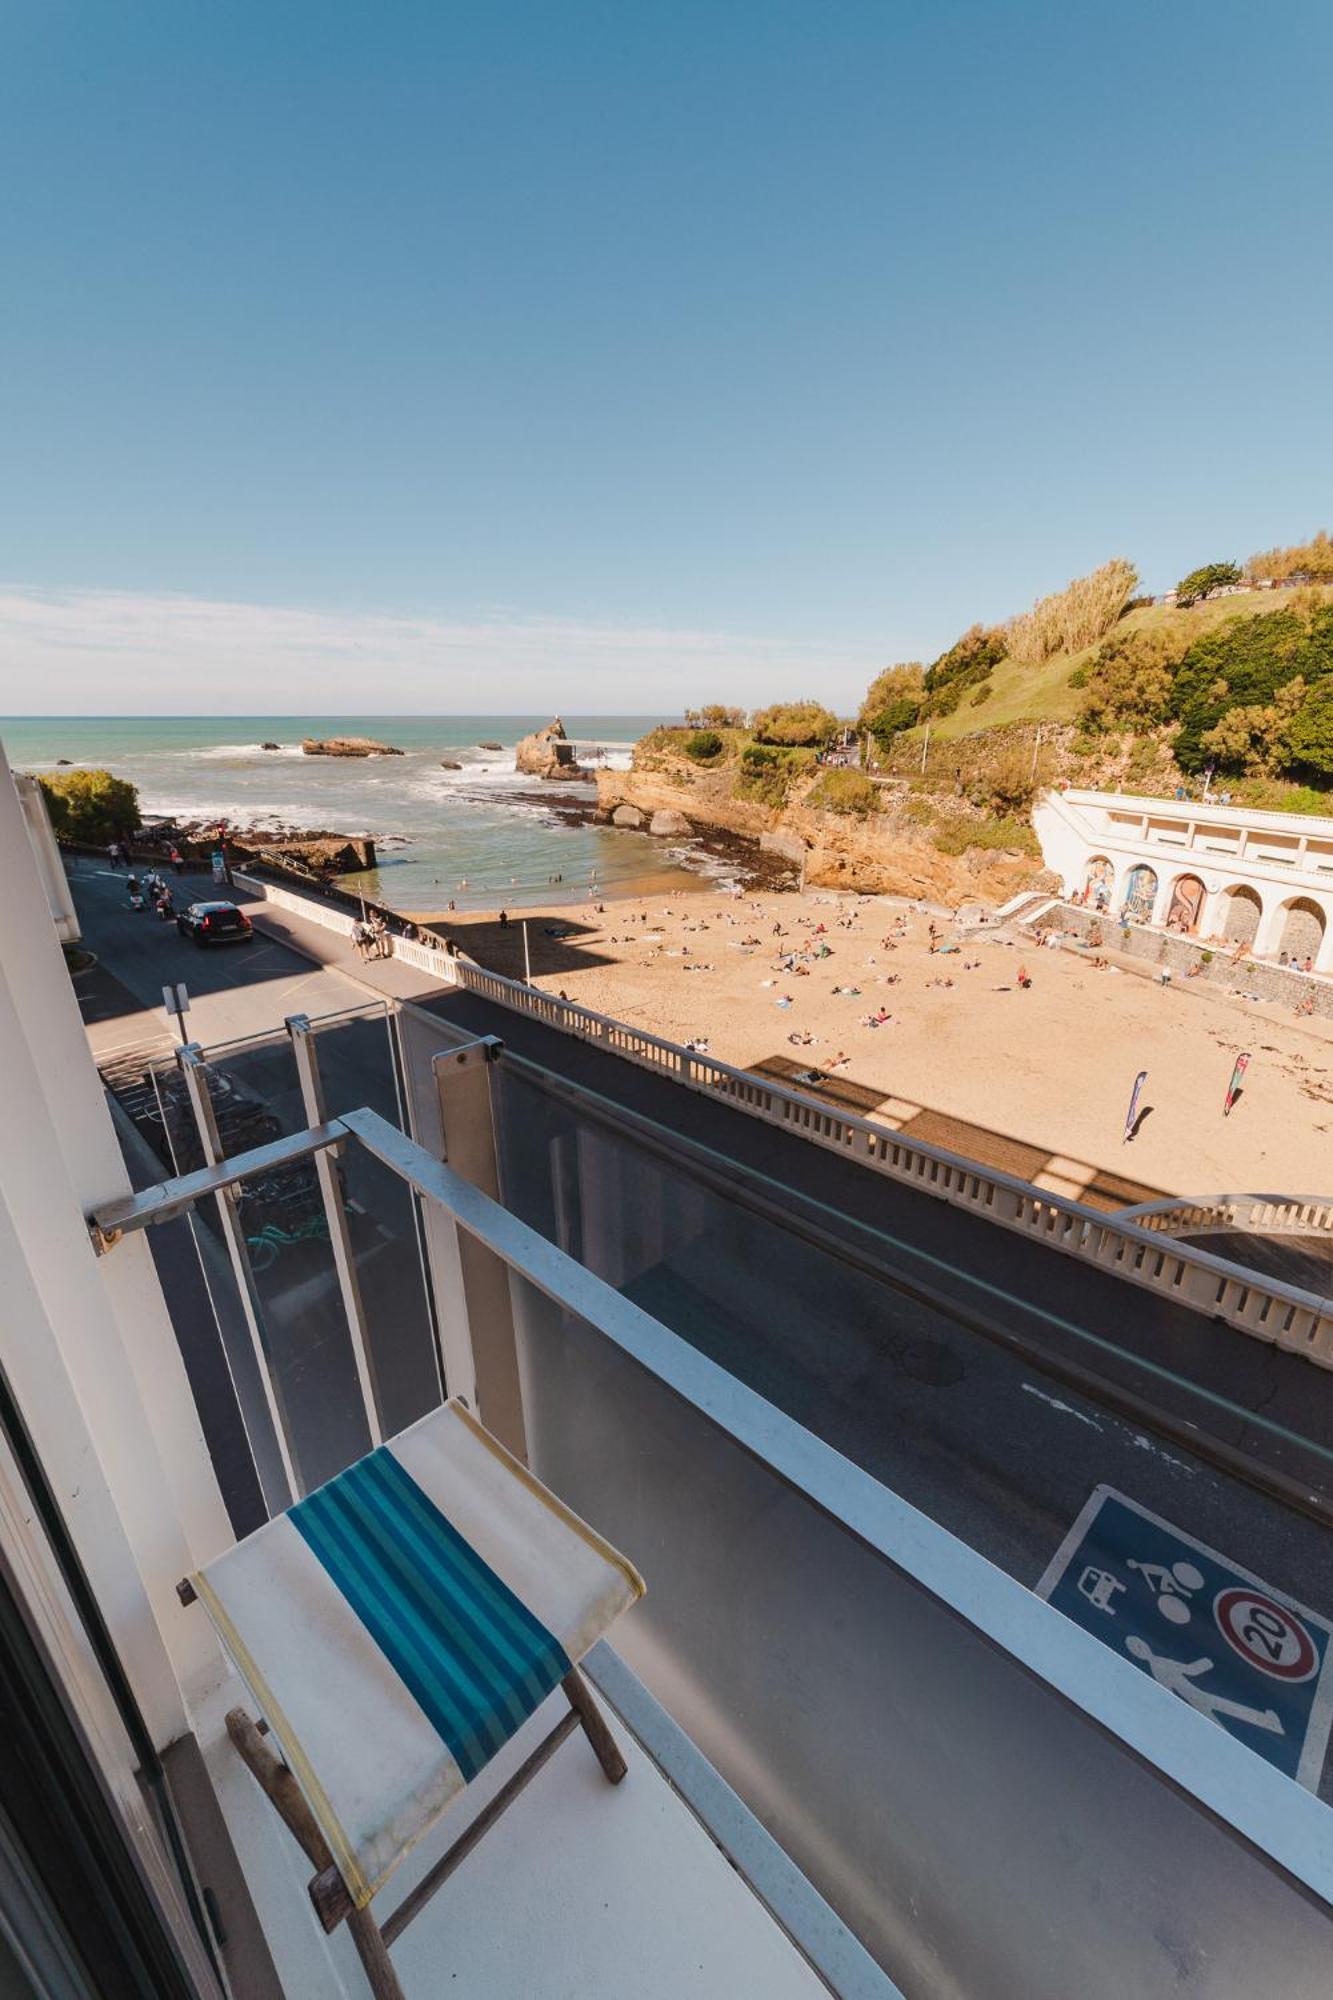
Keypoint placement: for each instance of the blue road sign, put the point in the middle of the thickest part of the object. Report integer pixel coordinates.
(1207, 1630)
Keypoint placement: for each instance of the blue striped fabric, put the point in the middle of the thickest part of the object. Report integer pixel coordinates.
(472, 1654)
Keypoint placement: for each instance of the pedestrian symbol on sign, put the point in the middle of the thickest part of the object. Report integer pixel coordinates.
(1205, 1629)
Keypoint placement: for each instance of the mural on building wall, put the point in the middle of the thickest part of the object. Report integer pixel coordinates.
(1186, 903)
(1140, 893)
(1098, 882)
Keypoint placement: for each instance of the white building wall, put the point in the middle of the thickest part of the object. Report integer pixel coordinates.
(47, 855)
(1282, 857)
(86, 1341)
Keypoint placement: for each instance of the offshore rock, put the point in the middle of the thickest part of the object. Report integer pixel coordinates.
(446, 765)
(270, 746)
(347, 746)
(548, 754)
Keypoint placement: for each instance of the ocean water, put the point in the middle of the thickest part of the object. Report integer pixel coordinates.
(479, 836)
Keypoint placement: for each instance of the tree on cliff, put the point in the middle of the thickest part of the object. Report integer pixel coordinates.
(90, 805)
(893, 700)
(798, 725)
(1211, 576)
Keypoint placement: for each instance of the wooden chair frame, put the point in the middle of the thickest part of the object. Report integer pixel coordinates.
(328, 1891)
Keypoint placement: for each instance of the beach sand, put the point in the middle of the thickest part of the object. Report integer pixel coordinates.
(1036, 1082)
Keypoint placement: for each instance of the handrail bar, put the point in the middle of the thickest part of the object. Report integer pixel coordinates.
(167, 1199)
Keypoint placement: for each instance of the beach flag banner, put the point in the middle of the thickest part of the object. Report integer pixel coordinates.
(1237, 1078)
(1133, 1111)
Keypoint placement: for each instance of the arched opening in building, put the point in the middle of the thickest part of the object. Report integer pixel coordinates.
(1302, 930)
(1098, 882)
(1186, 906)
(1140, 893)
(1243, 911)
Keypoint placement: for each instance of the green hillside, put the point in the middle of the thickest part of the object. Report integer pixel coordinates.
(1042, 693)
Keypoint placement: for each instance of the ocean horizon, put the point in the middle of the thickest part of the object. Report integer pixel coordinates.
(477, 836)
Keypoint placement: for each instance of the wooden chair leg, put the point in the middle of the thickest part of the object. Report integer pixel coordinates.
(289, 1801)
(594, 1726)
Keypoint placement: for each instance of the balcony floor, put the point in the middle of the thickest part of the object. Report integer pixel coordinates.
(581, 1892)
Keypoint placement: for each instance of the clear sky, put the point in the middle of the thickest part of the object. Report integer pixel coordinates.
(415, 355)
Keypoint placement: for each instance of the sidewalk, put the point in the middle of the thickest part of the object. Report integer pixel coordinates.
(385, 978)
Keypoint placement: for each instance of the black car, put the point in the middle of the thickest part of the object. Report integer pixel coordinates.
(214, 923)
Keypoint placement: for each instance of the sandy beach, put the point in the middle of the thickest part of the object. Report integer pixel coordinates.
(1034, 1080)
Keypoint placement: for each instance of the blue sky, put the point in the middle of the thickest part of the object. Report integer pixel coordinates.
(774, 341)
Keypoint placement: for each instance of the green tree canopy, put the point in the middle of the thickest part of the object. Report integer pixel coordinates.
(90, 805)
(796, 724)
(895, 693)
(1211, 576)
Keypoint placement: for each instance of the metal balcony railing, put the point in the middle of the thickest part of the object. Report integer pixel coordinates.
(985, 1797)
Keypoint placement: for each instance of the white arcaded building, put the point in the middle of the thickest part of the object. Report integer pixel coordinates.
(1210, 871)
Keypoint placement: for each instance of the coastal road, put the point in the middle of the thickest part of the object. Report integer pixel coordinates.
(234, 990)
(246, 991)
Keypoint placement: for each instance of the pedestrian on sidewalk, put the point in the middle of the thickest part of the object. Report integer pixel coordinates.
(177, 860)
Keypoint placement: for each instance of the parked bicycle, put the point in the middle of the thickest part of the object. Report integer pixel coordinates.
(267, 1244)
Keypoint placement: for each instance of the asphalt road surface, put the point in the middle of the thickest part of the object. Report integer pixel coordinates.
(244, 991)
(235, 989)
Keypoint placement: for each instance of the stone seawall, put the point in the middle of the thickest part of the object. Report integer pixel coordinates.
(1177, 955)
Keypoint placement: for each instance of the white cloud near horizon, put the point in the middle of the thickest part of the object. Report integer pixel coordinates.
(97, 652)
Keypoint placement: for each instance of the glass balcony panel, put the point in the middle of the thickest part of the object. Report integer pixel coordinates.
(946, 1415)
(303, 1325)
(922, 1778)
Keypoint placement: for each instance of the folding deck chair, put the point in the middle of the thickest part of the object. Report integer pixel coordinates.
(396, 1628)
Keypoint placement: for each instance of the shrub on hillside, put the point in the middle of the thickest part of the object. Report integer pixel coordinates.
(767, 773)
(1243, 664)
(1074, 617)
(90, 805)
(1129, 678)
(983, 693)
(715, 715)
(1211, 576)
(1313, 558)
(968, 661)
(1253, 739)
(1309, 734)
(703, 746)
(892, 701)
(843, 792)
(956, 836)
(796, 725)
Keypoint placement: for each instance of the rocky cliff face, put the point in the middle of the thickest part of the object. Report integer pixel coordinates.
(548, 754)
(879, 855)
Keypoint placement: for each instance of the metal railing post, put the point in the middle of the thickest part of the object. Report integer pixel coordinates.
(335, 1212)
(281, 1483)
(480, 1316)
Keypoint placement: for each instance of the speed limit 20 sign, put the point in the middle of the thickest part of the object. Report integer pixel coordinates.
(1266, 1634)
(1237, 1650)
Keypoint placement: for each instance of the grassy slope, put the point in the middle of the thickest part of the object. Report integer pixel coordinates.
(1043, 694)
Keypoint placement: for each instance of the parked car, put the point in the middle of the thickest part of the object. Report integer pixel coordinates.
(214, 923)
